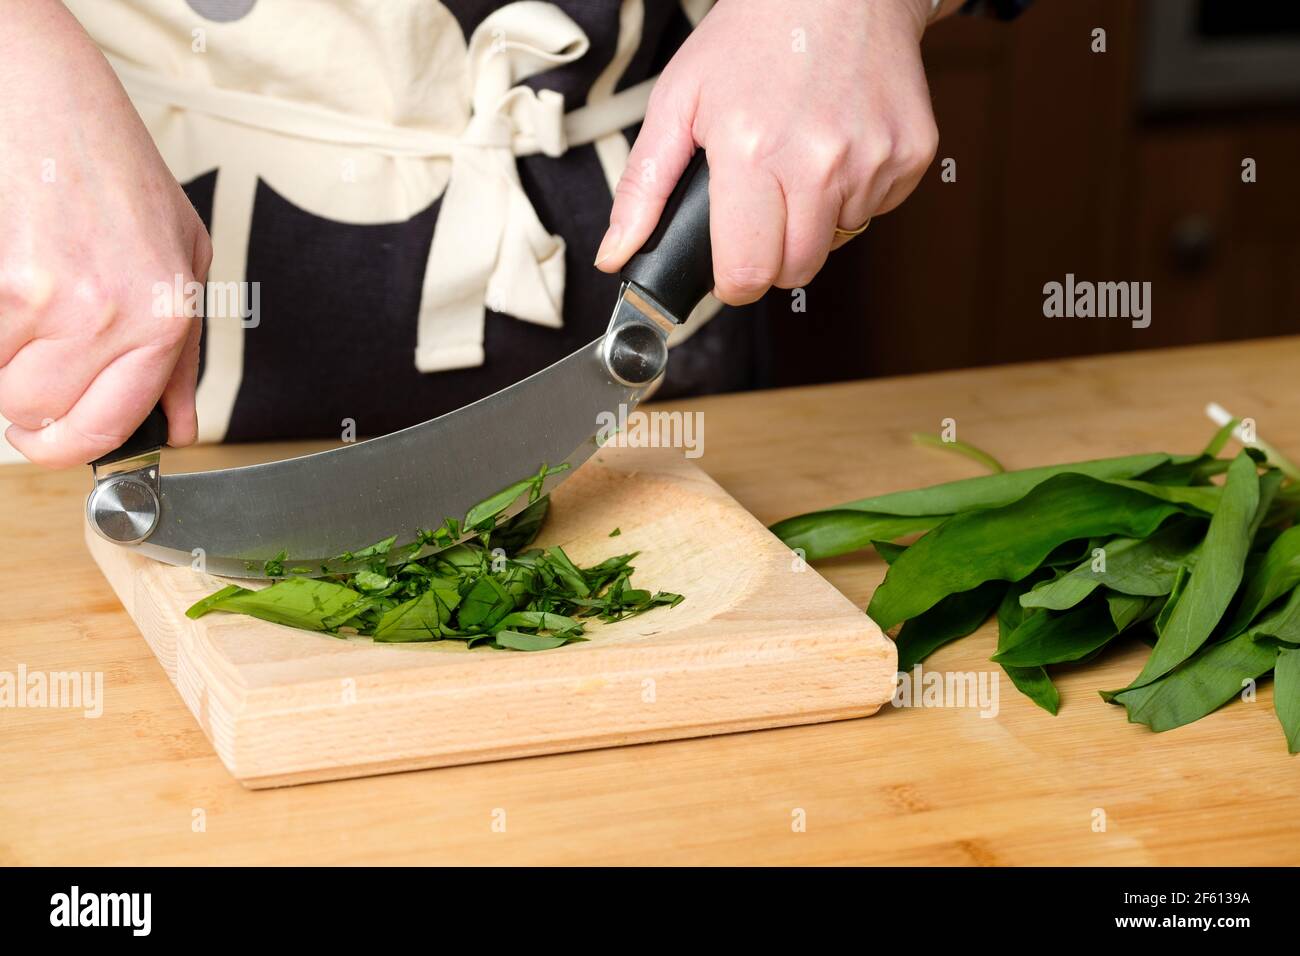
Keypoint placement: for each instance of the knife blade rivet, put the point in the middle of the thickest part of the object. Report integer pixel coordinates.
(123, 510)
(635, 354)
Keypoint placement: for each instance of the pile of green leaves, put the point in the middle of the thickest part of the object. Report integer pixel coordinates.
(488, 589)
(1071, 558)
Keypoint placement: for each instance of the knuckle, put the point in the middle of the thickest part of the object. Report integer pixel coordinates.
(751, 141)
(26, 289)
(749, 278)
(828, 154)
(919, 147)
(21, 413)
(632, 185)
(102, 442)
(91, 292)
(821, 165)
(98, 321)
(90, 306)
(878, 149)
(797, 278)
(799, 269)
(738, 285)
(642, 179)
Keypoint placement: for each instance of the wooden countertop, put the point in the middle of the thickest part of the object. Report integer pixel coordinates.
(908, 786)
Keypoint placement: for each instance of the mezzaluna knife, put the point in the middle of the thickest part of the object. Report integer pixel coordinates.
(316, 507)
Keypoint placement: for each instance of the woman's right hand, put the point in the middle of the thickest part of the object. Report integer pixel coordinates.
(92, 227)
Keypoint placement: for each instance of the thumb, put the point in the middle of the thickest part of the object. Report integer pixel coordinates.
(658, 159)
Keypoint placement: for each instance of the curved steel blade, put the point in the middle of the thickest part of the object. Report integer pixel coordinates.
(319, 506)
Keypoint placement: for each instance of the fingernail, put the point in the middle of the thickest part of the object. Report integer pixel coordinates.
(609, 244)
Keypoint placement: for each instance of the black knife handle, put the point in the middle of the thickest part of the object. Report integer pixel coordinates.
(151, 434)
(675, 266)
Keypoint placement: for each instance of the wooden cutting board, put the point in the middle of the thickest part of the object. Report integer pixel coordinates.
(760, 641)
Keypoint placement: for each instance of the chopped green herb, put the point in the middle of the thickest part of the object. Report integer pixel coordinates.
(275, 567)
(489, 589)
(518, 641)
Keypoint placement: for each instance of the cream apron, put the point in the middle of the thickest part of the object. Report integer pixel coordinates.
(382, 114)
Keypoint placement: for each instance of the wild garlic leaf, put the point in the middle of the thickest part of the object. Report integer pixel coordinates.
(350, 612)
(568, 572)
(462, 558)
(1282, 625)
(835, 531)
(377, 550)
(1199, 685)
(491, 507)
(200, 608)
(1071, 553)
(1126, 610)
(888, 550)
(1036, 684)
(996, 491)
(1204, 498)
(486, 603)
(826, 534)
(1270, 484)
(1033, 682)
(367, 580)
(1215, 578)
(420, 619)
(1181, 577)
(954, 617)
(1277, 574)
(1007, 543)
(1196, 470)
(297, 602)
(542, 621)
(975, 454)
(519, 532)
(486, 511)
(1138, 566)
(1052, 637)
(1286, 695)
(1220, 439)
(518, 641)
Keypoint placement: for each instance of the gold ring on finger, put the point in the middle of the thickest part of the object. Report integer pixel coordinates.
(851, 233)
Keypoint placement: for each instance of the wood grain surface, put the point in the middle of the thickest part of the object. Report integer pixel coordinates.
(141, 784)
(761, 641)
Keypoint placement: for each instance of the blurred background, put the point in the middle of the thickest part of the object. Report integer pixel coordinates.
(1116, 166)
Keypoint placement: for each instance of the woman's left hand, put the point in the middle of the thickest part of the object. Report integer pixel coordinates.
(815, 114)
